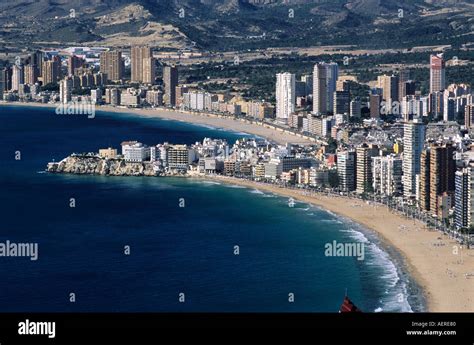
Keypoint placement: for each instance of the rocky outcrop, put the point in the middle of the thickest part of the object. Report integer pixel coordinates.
(95, 165)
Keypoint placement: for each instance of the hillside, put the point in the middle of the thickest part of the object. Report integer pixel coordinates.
(235, 24)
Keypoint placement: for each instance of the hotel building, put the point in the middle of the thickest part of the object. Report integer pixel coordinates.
(112, 65)
(285, 96)
(437, 73)
(346, 170)
(413, 141)
(170, 81)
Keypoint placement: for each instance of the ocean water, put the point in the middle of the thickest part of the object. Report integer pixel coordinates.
(173, 249)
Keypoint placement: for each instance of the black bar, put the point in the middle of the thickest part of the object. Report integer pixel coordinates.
(351, 328)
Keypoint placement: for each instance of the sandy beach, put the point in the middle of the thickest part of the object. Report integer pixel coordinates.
(194, 118)
(438, 264)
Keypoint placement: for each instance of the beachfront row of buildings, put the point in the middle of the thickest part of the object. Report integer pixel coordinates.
(201, 101)
(402, 142)
(48, 77)
(430, 172)
(433, 176)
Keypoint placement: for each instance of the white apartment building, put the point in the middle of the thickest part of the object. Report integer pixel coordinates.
(285, 96)
(134, 151)
(413, 141)
(387, 175)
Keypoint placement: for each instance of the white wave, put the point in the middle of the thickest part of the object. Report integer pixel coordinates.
(256, 191)
(243, 133)
(330, 212)
(334, 221)
(396, 294)
(382, 259)
(357, 235)
(269, 195)
(265, 195)
(205, 126)
(211, 183)
(235, 186)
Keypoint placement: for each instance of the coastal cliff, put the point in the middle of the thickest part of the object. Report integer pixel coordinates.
(88, 164)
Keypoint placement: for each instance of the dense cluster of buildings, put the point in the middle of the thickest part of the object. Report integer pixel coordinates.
(201, 101)
(396, 143)
(393, 95)
(251, 158)
(420, 154)
(50, 77)
(53, 76)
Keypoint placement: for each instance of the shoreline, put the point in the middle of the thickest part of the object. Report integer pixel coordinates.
(426, 254)
(212, 120)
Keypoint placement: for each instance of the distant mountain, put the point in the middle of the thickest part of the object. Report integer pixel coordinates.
(235, 24)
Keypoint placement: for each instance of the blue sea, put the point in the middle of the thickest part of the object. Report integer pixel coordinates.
(173, 250)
